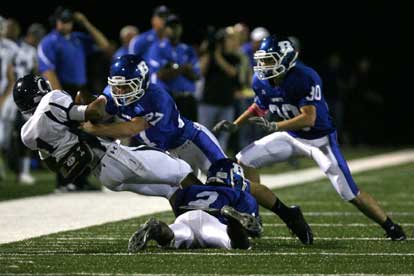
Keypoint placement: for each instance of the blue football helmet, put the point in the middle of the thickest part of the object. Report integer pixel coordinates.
(274, 57)
(128, 79)
(227, 172)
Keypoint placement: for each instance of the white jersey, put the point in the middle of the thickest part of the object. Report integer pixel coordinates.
(8, 52)
(26, 59)
(141, 170)
(46, 131)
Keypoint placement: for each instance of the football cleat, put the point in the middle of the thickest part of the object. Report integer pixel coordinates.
(298, 225)
(250, 223)
(152, 229)
(396, 233)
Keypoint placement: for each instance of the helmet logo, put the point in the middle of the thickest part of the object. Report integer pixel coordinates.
(285, 47)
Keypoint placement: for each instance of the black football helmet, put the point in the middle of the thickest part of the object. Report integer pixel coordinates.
(28, 91)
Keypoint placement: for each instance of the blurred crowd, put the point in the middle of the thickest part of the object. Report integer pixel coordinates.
(74, 55)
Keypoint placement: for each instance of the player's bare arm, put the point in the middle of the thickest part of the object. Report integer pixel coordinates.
(305, 119)
(96, 34)
(95, 111)
(253, 110)
(225, 125)
(118, 130)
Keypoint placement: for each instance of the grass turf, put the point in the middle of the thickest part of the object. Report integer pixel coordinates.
(346, 241)
(46, 181)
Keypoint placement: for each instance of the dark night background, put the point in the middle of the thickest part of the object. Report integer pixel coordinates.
(354, 28)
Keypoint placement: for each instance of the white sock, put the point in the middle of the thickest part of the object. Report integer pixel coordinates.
(26, 165)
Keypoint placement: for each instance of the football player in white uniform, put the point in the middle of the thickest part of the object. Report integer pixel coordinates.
(24, 63)
(52, 128)
(8, 51)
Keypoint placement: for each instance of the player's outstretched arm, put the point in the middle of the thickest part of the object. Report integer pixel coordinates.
(117, 130)
(225, 125)
(95, 111)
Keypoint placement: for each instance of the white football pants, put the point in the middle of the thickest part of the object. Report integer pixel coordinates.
(280, 146)
(141, 170)
(198, 229)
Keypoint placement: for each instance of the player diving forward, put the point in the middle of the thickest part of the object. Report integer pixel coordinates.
(150, 115)
(52, 128)
(220, 214)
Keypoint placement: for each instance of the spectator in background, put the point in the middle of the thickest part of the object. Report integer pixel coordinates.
(62, 60)
(220, 65)
(243, 31)
(19, 158)
(248, 133)
(62, 53)
(141, 43)
(176, 68)
(126, 34)
(8, 52)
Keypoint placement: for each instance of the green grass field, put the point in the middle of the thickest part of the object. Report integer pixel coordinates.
(46, 180)
(345, 241)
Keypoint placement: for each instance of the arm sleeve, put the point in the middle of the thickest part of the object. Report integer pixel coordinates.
(47, 54)
(260, 100)
(77, 112)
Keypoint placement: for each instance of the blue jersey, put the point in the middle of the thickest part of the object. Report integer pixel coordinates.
(164, 53)
(167, 129)
(301, 86)
(66, 56)
(215, 197)
(141, 44)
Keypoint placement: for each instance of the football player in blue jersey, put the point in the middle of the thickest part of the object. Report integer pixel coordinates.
(220, 214)
(151, 116)
(293, 91)
(141, 43)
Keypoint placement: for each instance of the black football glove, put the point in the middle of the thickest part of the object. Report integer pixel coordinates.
(225, 125)
(265, 124)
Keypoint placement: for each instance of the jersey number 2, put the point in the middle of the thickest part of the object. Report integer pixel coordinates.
(204, 202)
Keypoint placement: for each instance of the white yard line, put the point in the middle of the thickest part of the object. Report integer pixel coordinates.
(31, 217)
(356, 166)
(330, 225)
(203, 253)
(335, 239)
(56, 240)
(199, 274)
(336, 214)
